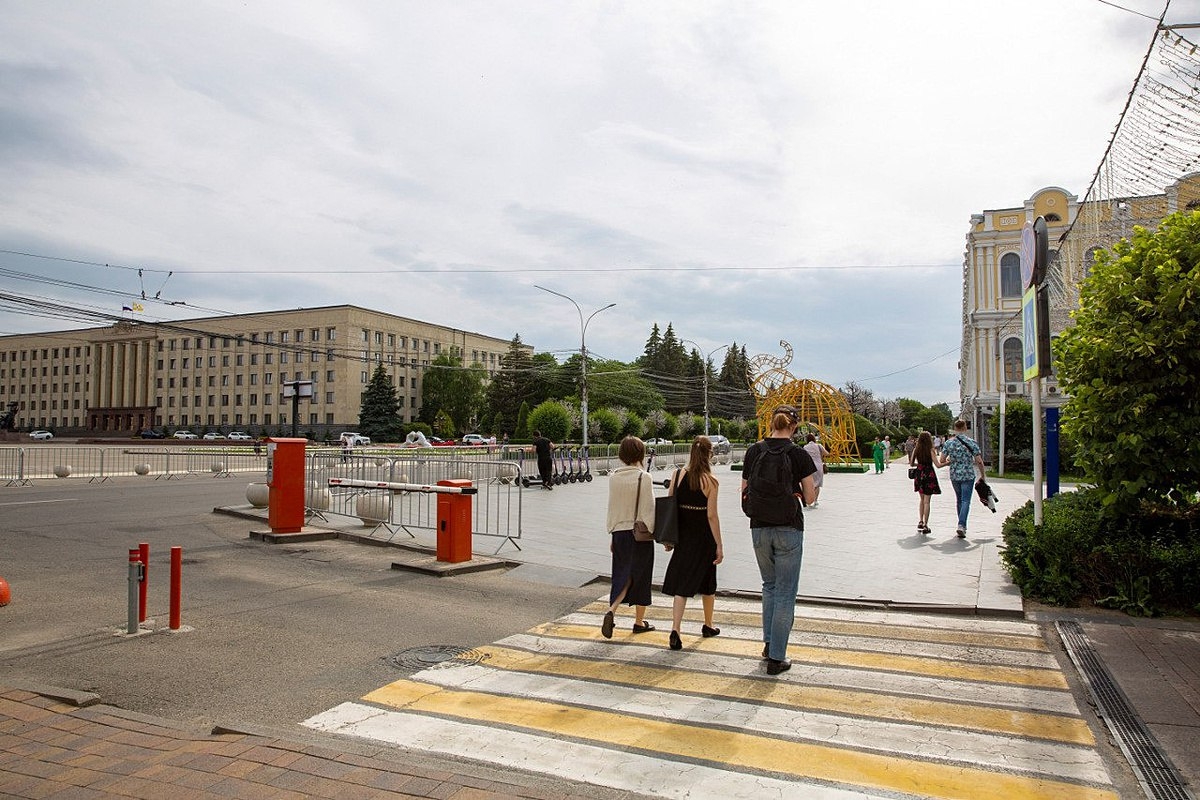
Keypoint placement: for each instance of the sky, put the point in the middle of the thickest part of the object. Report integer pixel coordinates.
(744, 171)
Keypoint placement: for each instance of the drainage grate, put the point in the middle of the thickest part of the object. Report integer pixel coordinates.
(1156, 773)
(415, 659)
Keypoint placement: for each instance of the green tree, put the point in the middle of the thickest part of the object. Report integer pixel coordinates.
(379, 409)
(511, 384)
(1018, 427)
(521, 431)
(614, 383)
(449, 386)
(1131, 365)
(605, 425)
(553, 419)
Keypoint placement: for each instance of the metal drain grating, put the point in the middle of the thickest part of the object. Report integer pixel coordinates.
(1155, 772)
(415, 659)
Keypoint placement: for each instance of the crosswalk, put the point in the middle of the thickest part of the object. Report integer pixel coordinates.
(877, 704)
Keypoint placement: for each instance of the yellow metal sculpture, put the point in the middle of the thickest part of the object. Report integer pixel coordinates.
(824, 410)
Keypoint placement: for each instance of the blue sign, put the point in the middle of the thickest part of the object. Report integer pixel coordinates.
(1029, 334)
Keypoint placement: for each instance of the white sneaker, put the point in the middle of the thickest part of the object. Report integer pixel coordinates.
(815, 504)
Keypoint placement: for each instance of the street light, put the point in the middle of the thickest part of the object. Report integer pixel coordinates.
(706, 358)
(582, 351)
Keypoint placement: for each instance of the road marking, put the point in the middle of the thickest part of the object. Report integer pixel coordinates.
(938, 710)
(36, 502)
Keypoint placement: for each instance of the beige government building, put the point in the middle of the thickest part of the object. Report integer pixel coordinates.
(227, 372)
(991, 358)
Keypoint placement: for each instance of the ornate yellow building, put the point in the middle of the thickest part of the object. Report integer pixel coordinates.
(991, 358)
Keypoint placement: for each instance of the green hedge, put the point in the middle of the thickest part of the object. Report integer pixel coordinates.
(1143, 564)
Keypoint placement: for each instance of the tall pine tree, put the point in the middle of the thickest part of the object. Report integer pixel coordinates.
(379, 410)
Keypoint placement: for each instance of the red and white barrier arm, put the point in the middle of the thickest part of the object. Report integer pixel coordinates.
(403, 487)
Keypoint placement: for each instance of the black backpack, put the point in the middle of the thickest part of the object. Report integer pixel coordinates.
(770, 488)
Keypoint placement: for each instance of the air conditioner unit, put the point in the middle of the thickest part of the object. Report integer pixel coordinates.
(1012, 388)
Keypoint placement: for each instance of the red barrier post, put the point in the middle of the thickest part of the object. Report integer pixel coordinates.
(144, 557)
(176, 585)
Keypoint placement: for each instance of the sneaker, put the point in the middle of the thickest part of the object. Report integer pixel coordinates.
(775, 667)
(962, 532)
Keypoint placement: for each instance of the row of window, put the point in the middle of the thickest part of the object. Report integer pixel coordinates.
(46, 371)
(32, 355)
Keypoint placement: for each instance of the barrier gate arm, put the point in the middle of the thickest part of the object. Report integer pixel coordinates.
(403, 487)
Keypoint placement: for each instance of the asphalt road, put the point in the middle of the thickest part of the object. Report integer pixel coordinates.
(272, 633)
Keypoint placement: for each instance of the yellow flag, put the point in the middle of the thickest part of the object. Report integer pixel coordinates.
(138, 307)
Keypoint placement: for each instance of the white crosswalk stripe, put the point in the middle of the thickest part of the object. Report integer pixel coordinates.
(876, 705)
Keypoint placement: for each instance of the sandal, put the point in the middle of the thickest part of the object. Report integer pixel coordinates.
(645, 627)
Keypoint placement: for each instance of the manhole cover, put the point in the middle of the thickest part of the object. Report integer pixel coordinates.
(415, 659)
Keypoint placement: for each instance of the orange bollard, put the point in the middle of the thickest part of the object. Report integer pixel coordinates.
(5, 592)
(144, 587)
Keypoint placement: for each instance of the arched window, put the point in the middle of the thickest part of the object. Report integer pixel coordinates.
(1014, 369)
(1010, 275)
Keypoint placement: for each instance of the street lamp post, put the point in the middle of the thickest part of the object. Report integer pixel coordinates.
(583, 397)
(706, 358)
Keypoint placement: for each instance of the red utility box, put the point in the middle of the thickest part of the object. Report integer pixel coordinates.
(454, 523)
(285, 482)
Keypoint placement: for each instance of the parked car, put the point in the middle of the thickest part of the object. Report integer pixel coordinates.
(214, 435)
(184, 435)
(150, 433)
(43, 435)
(721, 445)
(240, 436)
(657, 442)
(438, 441)
(474, 438)
(351, 439)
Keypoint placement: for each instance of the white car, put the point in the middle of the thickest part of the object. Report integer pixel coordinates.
(240, 436)
(184, 435)
(214, 435)
(657, 442)
(43, 435)
(350, 439)
(474, 438)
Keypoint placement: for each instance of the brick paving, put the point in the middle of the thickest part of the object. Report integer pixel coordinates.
(53, 747)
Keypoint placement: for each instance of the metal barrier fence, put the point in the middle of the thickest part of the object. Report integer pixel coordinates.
(495, 508)
(20, 466)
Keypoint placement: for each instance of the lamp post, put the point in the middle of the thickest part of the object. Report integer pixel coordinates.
(706, 358)
(582, 352)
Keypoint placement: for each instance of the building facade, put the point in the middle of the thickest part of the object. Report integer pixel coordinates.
(226, 372)
(991, 358)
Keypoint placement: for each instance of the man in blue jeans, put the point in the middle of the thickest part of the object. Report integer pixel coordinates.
(964, 455)
(779, 548)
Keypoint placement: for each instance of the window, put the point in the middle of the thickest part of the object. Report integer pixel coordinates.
(1010, 275)
(224, 361)
(254, 359)
(331, 334)
(329, 375)
(329, 397)
(239, 360)
(315, 334)
(1014, 370)
(300, 336)
(283, 336)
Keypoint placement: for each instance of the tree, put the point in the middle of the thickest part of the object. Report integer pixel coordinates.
(553, 419)
(379, 409)
(521, 431)
(511, 384)
(1131, 365)
(450, 387)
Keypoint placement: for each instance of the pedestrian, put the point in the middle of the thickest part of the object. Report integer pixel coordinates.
(694, 558)
(630, 499)
(258, 445)
(925, 481)
(877, 452)
(964, 456)
(778, 546)
(817, 452)
(543, 447)
(887, 451)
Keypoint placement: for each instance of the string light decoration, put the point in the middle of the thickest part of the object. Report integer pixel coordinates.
(823, 409)
(1150, 169)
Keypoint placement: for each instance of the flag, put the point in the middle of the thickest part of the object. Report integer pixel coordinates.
(137, 307)
(126, 308)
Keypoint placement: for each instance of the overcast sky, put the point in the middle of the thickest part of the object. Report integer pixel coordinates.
(747, 171)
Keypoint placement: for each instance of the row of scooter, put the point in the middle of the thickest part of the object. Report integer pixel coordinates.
(569, 465)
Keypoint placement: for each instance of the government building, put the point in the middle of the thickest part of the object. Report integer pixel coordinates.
(991, 358)
(228, 372)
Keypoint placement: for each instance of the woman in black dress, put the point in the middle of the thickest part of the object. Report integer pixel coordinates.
(925, 459)
(693, 566)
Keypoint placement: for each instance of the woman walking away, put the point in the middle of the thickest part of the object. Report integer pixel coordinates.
(630, 499)
(817, 452)
(925, 484)
(693, 566)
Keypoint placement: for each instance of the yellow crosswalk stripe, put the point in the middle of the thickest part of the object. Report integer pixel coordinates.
(912, 633)
(1035, 725)
(888, 662)
(746, 751)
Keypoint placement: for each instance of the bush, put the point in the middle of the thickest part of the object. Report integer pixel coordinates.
(1138, 564)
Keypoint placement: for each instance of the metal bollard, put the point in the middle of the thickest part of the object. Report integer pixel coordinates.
(144, 552)
(176, 585)
(135, 579)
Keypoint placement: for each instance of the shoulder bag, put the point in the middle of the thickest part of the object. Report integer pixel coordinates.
(666, 517)
(640, 532)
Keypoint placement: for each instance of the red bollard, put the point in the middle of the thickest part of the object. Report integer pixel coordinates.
(144, 557)
(5, 592)
(176, 585)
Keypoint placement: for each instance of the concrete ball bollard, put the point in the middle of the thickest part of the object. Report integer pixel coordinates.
(141, 469)
(217, 467)
(258, 494)
(62, 471)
